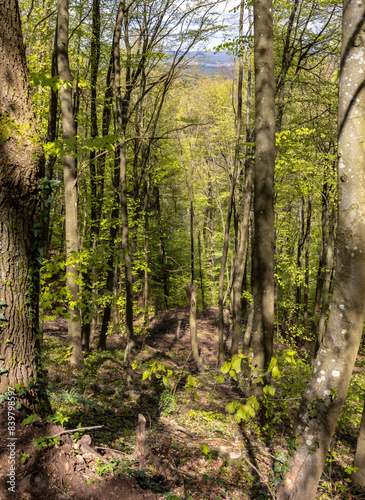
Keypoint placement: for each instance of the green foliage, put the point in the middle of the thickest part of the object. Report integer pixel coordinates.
(46, 442)
(30, 419)
(168, 403)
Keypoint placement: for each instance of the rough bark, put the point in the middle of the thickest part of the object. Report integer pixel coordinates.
(70, 178)
(325, 393)
(21, 166)
(264, 265)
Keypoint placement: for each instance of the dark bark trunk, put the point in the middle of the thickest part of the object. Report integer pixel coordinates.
(21, 166)
(161, 244)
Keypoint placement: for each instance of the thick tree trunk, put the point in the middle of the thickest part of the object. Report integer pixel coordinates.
(264, 265)
(333, 366)
(21, 166)
(70, 178)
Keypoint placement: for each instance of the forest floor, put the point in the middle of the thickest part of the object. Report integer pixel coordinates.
(195, 448)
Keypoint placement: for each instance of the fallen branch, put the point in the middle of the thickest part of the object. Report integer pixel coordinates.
(261, 476)
(70, 431)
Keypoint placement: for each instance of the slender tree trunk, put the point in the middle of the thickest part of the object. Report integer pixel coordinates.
(307, 254)
(236, 163)
(21, 167)
(70, 178)
(322, 261)
(327, 283)
(161, 245)
(146, 254)
(241, 254)
(191, 294)
(358, 477)
(327, 389)
(122, 105)
(201, 272)
(264, 264)
(51, 136)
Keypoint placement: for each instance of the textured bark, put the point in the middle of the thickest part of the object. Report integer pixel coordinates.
(264, 265)
(21, 166)
(70, 178)
(358, 477)
(325, 393)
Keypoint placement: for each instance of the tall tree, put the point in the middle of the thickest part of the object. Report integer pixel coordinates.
(21, 166)
(264, 264)
(327, 389)
(70, 179)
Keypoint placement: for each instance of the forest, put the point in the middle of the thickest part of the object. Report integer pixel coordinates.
(182, 249)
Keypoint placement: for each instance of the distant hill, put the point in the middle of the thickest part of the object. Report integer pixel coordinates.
(209, 62)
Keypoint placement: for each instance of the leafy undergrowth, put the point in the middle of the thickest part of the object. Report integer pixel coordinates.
(194, 412)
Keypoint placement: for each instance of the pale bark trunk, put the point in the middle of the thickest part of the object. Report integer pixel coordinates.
(263, 285)
(326, 391)
(21, 166)
(358, 477)
(191, 294)
(70, 178)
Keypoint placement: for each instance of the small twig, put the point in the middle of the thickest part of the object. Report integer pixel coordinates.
(70, 431)
(261, 476)
(62, 491)
(178, 380)
(131, 457)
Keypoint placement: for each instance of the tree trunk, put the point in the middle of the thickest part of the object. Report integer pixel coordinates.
(306, 258)
(191, 294)
(201, 272)
(161, 245)
(264, 265)
(327, 284)
(358, 477)
(221, 354)
(122, 105)
(326, 392)
(70, 178)
(241, 254)
(21, 166)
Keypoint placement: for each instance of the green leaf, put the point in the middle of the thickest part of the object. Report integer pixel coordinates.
(237, 364)
(226, 367)
(269, 390)
(205, 449)
(146, 374)
(275, 372)
(2, 369)
(231, 407)
(233, 374)
(30, 419)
